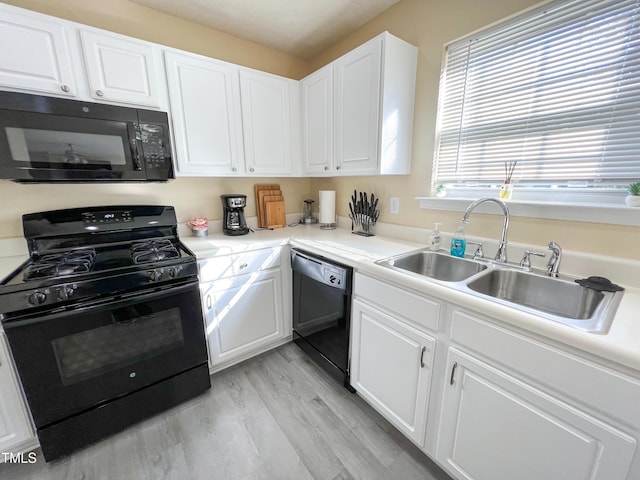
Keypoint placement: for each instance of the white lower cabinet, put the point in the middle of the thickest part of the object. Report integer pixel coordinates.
(497, 427)
(514, 406)
(392, 352)
(243, 307)
(16, 432)
(488, 401)
(391, 368)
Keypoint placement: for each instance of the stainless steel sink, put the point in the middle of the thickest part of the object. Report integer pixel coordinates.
(437, 265)
(559, 300)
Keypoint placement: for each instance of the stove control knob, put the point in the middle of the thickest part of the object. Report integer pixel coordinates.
(174, 271)
(65, 292)
(37, 298)
(155, 275)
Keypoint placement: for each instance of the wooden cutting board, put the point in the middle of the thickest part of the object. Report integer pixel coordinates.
(272, 198)
(261, 205)
(275, 213)
(260, 211)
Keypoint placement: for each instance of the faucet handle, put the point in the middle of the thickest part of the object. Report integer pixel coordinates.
(479, 253)
(554, 262)
(554, 247)
(526, 261)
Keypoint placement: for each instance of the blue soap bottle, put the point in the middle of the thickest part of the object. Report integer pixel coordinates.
(458, 243)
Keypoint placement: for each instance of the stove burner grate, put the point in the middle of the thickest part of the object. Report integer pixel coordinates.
(153, 251)
(61, 264)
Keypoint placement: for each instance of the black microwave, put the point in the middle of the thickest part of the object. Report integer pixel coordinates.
(46, 139)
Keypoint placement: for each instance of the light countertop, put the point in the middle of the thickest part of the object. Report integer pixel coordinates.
(621, 345)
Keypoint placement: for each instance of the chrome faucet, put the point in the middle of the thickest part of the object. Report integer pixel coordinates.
(554, 262)
(501, 254)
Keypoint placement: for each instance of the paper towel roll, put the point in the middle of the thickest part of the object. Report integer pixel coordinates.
(327, 209)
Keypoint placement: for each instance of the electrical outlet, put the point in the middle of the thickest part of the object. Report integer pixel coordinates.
(394, 205)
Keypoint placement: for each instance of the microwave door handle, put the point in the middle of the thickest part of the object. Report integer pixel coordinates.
(135, 144)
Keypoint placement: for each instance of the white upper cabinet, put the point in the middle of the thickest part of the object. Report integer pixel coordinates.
(46, 57)
(229, 120)
(372, 91)
(205, 106)
(266, 119)
(356, 106)
(121, 69)
(352, 117)
(35, 54)
(317, 121)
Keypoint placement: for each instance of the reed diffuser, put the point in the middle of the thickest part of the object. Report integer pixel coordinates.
(506, 190)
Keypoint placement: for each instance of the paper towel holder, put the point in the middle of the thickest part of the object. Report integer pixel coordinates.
(327, 209)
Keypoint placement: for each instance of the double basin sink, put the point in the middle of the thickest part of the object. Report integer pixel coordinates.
(556, 299)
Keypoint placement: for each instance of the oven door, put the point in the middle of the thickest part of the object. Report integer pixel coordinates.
(75, 360)
(41, 147)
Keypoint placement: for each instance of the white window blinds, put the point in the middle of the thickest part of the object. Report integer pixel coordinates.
(556, 88)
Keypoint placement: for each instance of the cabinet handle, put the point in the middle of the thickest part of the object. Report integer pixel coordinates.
(424, 349)
(100, 93)
(208, 302)
(453, 372)
(244, 265)
(326, 168)
(338, 167)
(64, 88)
(252, 169)
(234, 169)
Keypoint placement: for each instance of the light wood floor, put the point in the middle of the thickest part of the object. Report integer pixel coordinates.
(276, 416)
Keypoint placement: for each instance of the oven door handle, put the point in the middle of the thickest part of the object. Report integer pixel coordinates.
(104, 304)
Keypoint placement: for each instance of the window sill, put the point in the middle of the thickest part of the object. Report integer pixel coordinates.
(612, 214)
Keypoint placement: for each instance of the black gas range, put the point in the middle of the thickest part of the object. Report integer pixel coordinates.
(81, 254)
(104, 321)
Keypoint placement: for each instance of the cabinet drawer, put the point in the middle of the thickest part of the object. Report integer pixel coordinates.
(231, 265)
(421, 311)
(606, 390)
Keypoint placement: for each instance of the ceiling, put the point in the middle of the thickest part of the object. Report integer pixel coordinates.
(298, 27)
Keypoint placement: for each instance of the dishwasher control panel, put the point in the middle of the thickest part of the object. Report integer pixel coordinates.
(333, 275)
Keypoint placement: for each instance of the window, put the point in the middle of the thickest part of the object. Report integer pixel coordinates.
(556, 89)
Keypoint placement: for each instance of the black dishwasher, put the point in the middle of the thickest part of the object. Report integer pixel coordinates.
(322, 311)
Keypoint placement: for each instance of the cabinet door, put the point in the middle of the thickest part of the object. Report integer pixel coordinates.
(15, 427)
(391, 368)
(122, 70)
(266, 120)
(317, 122)
(205, 109)
(496, 427)
(357, 107)
(245, 315)
(34, 55)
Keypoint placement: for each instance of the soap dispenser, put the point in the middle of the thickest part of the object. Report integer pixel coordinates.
(458, 243)
(434, 237)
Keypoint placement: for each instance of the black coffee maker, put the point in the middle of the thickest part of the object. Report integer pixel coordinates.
(233, 221)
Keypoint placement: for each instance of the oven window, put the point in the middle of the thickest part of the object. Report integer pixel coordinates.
(74, 149)
(131, 338)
